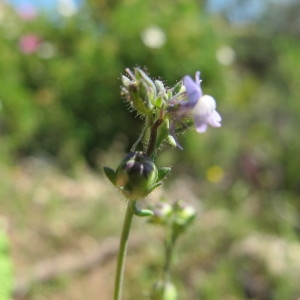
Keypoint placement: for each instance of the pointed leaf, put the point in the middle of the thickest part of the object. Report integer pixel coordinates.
(153, 187)
(163, 172)
(110, 174)
(162, 134)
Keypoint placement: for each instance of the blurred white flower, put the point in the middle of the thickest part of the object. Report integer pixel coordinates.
(153, 37)
(46, 50)
(225, 55)
(67, 8)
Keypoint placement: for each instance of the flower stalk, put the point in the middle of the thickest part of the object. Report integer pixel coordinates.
(166, 112)
(119, 277)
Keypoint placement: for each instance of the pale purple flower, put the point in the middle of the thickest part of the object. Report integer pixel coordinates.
(202, 108)
(27, 12)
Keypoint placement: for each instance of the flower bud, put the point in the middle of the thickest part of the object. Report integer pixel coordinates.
(164, 291)
(146, 79)
(160, 87)
(162, 96)
(126, 81)
(184, 216)
(147, 88)
(136, 175)
(136, 100)
(140, 91)
(162, 213)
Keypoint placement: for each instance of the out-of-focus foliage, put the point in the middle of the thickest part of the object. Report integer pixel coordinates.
(6, 275)
(63, 97)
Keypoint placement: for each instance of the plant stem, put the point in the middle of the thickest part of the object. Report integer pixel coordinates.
(153, 136)
(122, 253)
(140, 139)
(170, 241)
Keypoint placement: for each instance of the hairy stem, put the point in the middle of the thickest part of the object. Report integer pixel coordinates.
(140, 139)
(122, 253)
(153, 136)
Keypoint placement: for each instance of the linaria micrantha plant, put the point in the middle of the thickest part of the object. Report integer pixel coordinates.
(166, 112)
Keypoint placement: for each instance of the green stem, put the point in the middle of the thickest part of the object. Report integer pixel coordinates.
(170, 242)
(139, 140)
(122, 253)
(140, 212)
(153, 136)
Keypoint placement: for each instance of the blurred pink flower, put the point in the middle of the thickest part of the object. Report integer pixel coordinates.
(29, 43)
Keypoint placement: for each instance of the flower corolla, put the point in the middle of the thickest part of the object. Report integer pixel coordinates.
(202, 108)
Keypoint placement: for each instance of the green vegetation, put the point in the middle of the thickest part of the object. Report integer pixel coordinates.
(62, 118)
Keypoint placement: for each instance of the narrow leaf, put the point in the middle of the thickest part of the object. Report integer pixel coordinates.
(162, 173)
(110, 174)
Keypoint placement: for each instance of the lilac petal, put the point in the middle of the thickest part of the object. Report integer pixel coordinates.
(197, 78)
(214, 119)
(193, 91)
(201, 127)
(200, 122)
(173, 134)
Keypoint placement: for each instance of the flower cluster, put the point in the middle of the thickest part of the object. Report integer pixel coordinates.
(167, 111)
(176, 106)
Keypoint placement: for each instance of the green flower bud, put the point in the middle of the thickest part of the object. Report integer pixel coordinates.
(146, 94)
(147, 88)
(126, 81)
(162, 213)
(184, 216)
(162, 97)
(164, 291)
(136, 100)
(160, 87)
(140, 91)
(136, 175)
(146, 79)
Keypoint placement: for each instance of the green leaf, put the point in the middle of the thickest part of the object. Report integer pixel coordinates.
(110, 174)
(163, 172)
(176, 89)
(6, 273)
(153, 187)
(162, 134)
(137, 102)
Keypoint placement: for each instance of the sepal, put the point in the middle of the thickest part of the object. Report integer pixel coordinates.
(162, 134)
(110, 174)
(163, 172)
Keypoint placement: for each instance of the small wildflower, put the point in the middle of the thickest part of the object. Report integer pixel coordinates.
(202, 108)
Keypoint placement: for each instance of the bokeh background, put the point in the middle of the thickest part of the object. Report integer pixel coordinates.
(62, 119)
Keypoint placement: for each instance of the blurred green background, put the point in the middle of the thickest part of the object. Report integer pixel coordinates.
(62, 119)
